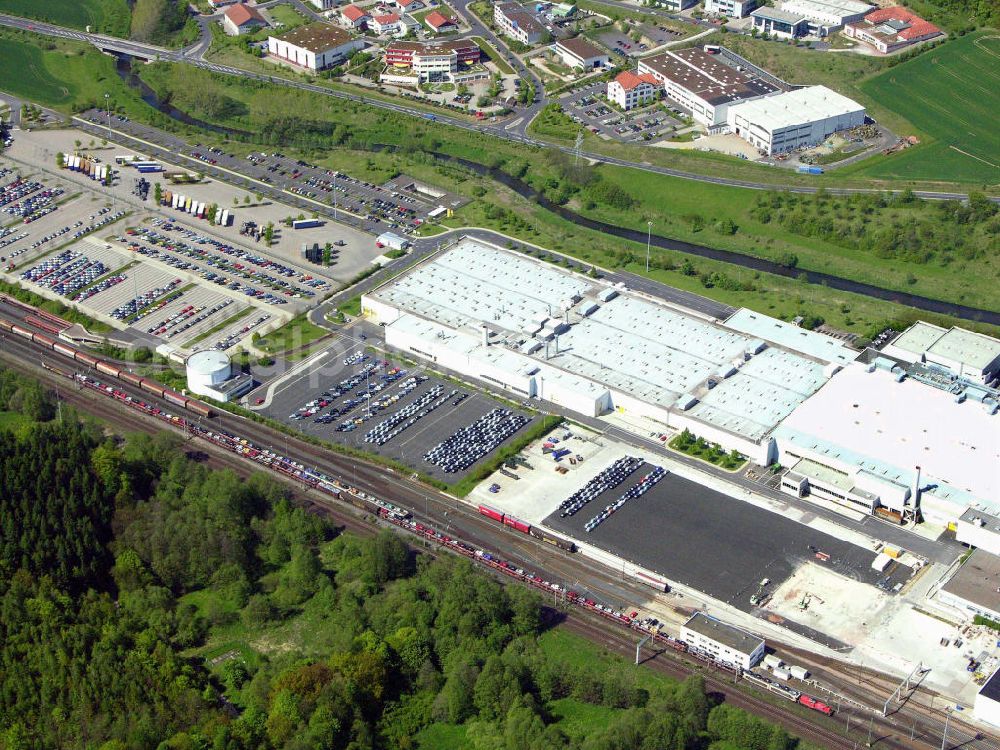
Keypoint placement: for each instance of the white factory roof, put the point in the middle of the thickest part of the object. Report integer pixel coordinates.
(808, 104)
(629, 345)
(824, 7)
(790, 336)
(973, 350)
(887, 428)
(208, 362)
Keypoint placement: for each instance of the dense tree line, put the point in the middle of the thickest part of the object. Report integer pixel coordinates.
(123, 560)
(157, 20)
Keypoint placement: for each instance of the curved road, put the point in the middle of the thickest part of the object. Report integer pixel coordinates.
(190, 57)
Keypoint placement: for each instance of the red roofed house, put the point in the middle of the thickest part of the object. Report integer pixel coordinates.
(629, 90)
(352, 17)
(387, 24)
(409, 6)
(241, 19)
(890, 29)
(440, 24)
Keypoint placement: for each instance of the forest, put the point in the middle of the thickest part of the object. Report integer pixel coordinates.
(148, 600)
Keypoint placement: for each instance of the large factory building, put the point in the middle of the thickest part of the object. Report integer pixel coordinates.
(537, 331)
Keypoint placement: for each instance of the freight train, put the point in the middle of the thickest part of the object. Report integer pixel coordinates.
(108, 368)
(525, 528)
(394, 514)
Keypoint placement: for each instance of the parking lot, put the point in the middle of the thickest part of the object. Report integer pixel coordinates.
(587, 106)
(623, 44)
(410, 412)
(709, 541)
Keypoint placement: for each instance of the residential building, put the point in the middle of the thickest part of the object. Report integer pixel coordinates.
(889, 29)
(410, 6)
(440, 24)
(216, 4)
(353, 17)
(826, 16)
(704, 84)
(241, 19)
(386, 25)
(730, 8)
(629, 90)
(324, 4)
(779, 23)
(794, 119)
(722, 642)
(518, 23)
(579, 53)
(419, 62)
(314, 46)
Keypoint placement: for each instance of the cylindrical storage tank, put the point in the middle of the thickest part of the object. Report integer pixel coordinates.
(207, 369)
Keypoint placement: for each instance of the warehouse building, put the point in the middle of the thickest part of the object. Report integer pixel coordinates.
(966, 354)
(629, 90)
(987, 705)
(779, 23)
(974, 589)
(419, 62)
(794, 119)
(889, 29)
(979, 529)
(722, 642)
(703, 84)
(826, 16)
(541, 332)
(896, 440)
(518, 23)
(314, 46)
(579, 53)
(730, 8)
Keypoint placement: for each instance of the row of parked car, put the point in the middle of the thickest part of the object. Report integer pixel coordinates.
(344, 387)
(406, 417)
(648, 481)
(227, 341)
(65, 273)
(469, 444)
(606, 480)
(374, 406)
(34, 206)
(101, 286)
(143, 303)
(18, 189)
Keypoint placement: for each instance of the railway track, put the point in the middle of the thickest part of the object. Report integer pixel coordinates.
(518, 548)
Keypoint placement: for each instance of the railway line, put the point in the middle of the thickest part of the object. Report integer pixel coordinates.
(367, 486)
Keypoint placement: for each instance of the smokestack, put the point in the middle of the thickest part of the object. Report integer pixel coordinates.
(557, 344)
(916, 489)
(486, 336)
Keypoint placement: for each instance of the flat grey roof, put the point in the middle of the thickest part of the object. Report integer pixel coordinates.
(977, 581)
(728, 635)
(991, 689)
(777, 14)
(703, 75)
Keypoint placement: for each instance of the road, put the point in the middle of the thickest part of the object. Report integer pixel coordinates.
(190, 57)
(912, 726)
(143, 137)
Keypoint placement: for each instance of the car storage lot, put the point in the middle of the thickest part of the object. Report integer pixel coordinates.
(410, 445)
(586, 106)
(709, 541)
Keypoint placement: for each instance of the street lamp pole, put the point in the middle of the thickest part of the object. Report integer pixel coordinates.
(649, 235)
(944, 737)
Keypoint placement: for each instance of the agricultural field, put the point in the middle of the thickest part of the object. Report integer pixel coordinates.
(105, 16)
(952, 95)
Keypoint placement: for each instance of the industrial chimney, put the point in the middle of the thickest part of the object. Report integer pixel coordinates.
(915, 494)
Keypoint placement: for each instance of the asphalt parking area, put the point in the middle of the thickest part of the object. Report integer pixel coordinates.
(410, 445)
(587, 107)
(711, 542)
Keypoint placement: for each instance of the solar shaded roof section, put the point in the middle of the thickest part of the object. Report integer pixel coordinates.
(474, 284)
(788, 335)
(764, 391)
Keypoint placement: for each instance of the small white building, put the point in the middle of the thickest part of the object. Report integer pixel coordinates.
(579, 53)
(409, 6)
(353, 17)
(723, 642)
(826, 16)
(315, 46)
(629, 90)
(730, 8)
(979, 529)
(794, 119)
(388, 24)
(241, 19)
(779, 23)
(987, 705)
(324, 4)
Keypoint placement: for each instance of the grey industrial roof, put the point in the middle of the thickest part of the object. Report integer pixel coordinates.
(708, 78)
(978, 581)
(723, 633)
(581, 47)
(991, 688)
(790, 335)
(777, 14)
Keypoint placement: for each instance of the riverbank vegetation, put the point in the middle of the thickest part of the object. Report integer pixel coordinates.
(196, 608)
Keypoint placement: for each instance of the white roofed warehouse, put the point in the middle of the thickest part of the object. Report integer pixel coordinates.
(528, 327)
(794, 119)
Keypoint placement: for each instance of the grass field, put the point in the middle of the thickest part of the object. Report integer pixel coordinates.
(951, 94)
(294, 335)
(106, 16)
